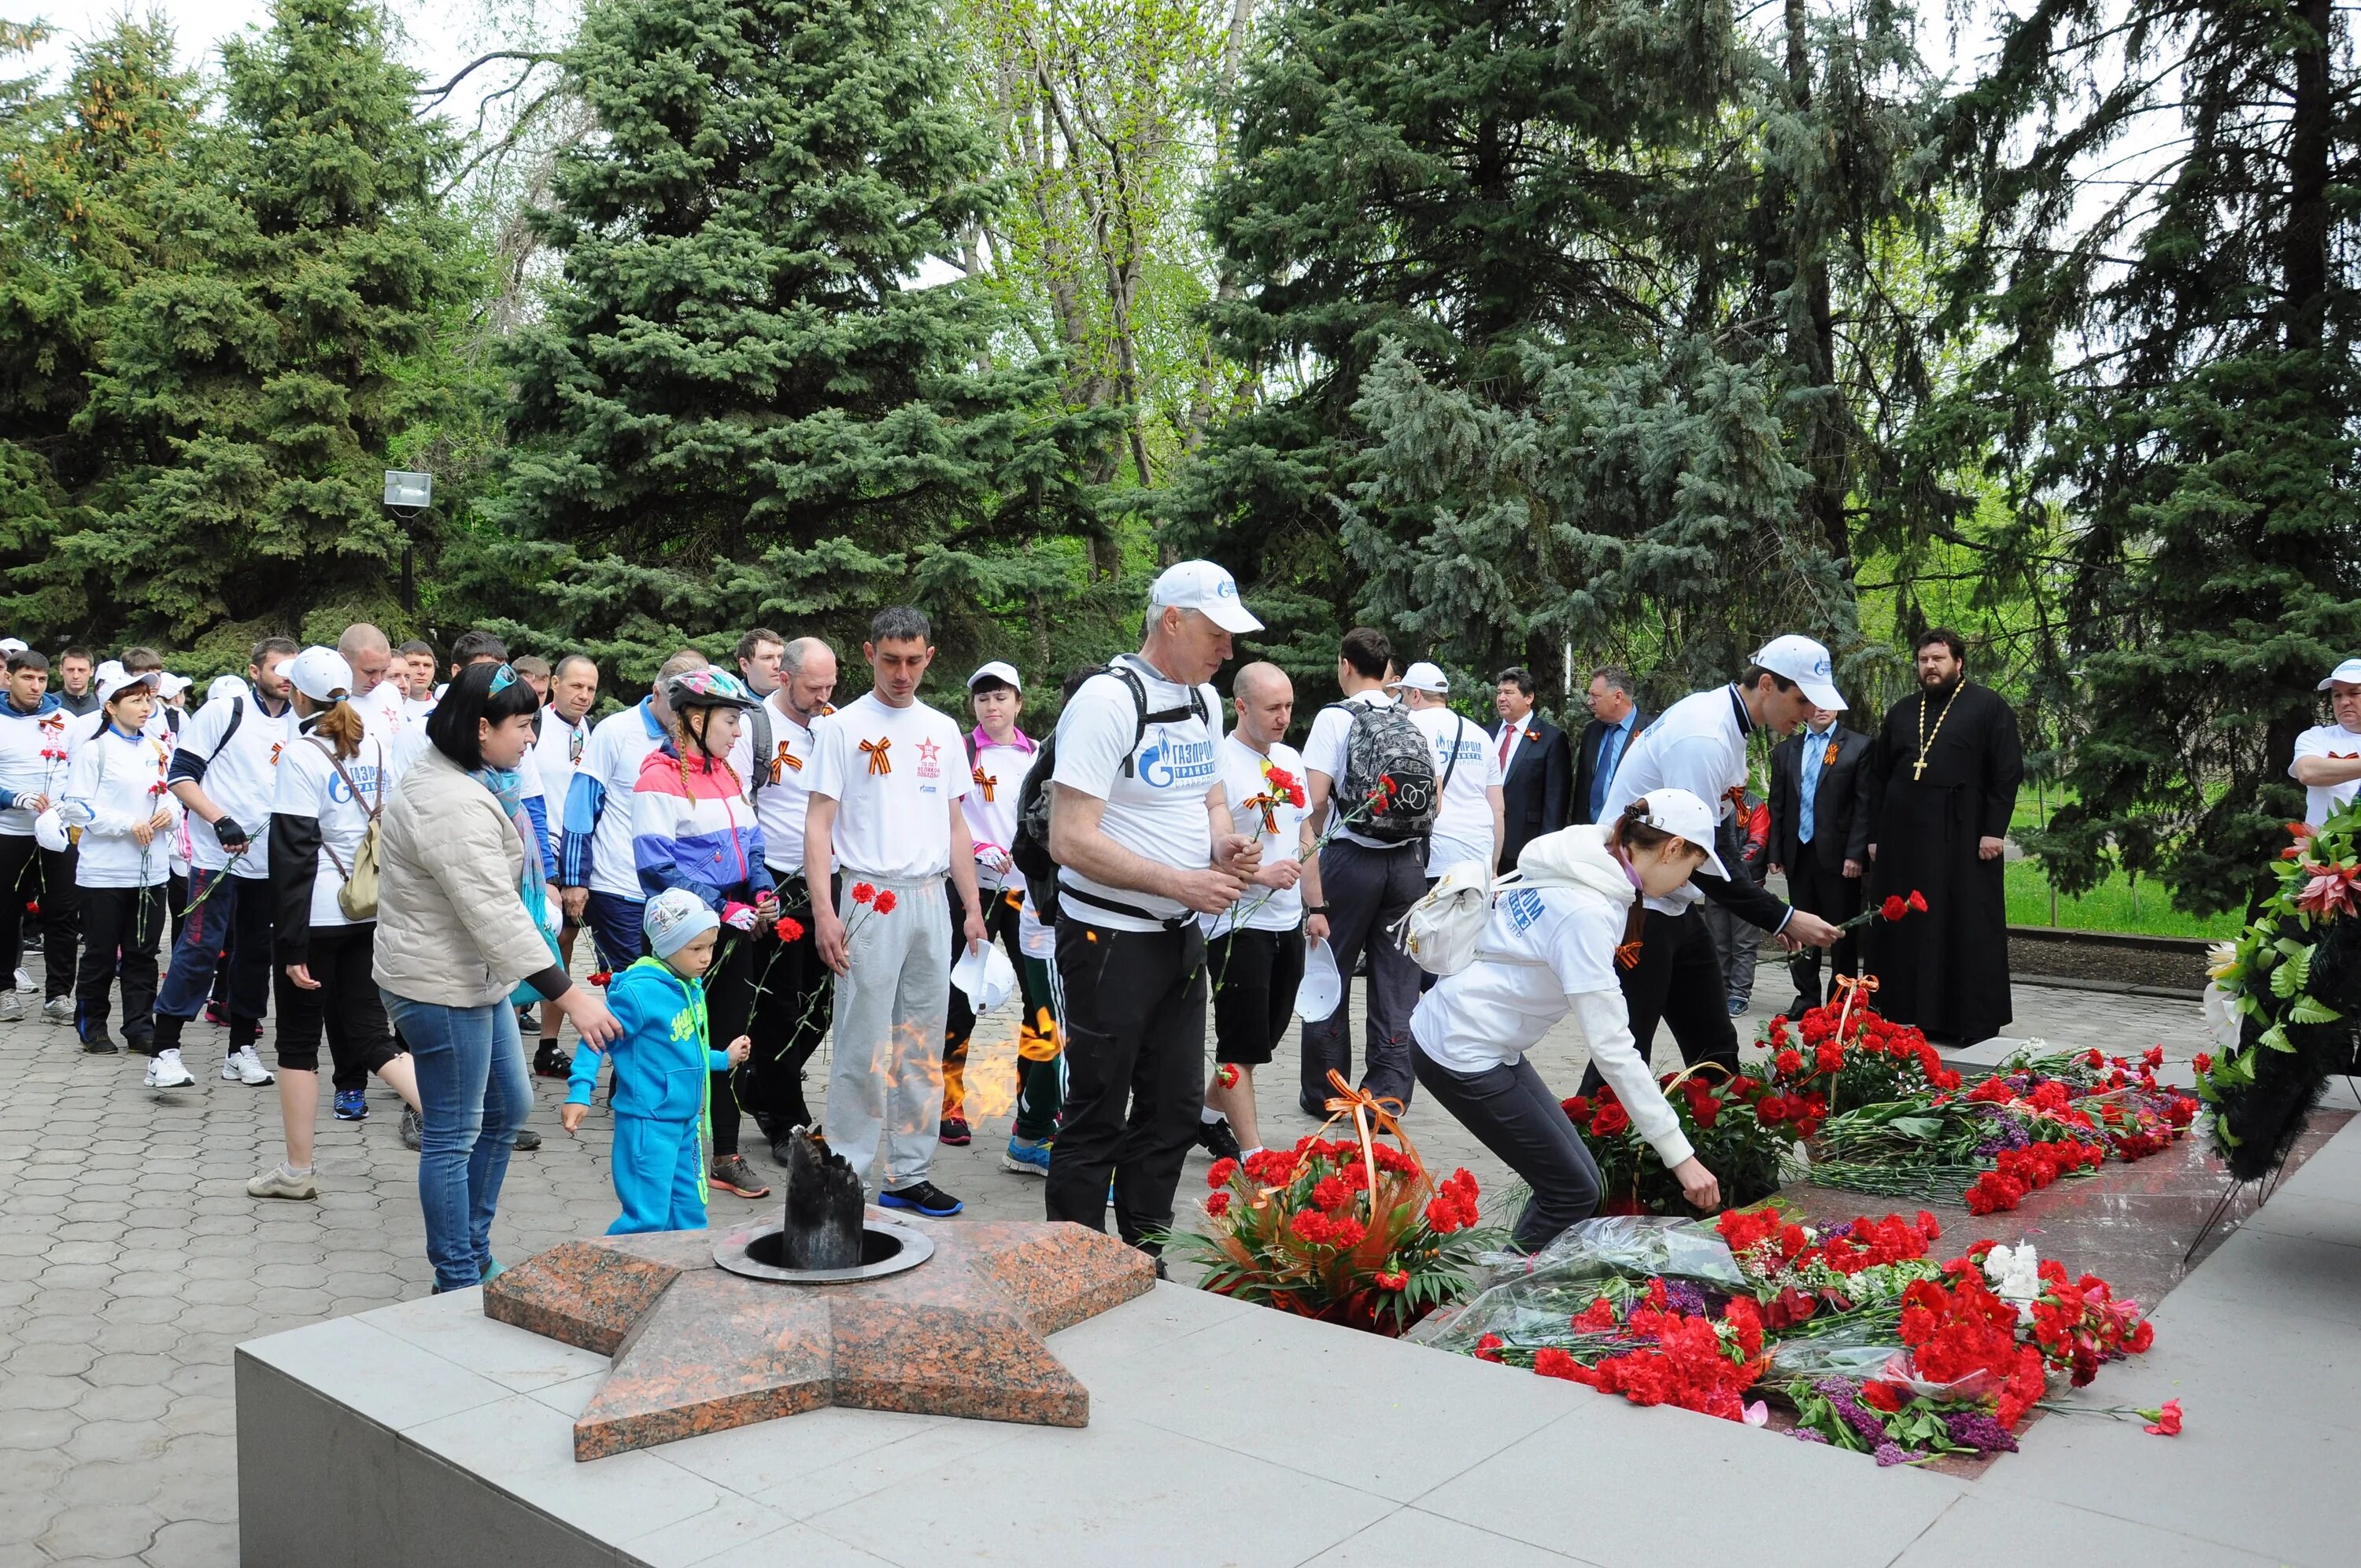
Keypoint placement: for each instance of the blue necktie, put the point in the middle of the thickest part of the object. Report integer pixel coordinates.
(1610, 751)
(1816, 748)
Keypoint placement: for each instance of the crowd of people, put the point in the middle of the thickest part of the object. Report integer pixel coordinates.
(400, 852)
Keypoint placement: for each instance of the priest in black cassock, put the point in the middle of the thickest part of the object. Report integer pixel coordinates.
(1945, 771)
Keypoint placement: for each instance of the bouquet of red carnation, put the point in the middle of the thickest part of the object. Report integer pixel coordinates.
(1306, 1231)
(1739, 1128)
(1850, 1056)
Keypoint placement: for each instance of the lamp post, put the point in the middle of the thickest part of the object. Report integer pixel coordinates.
(407, 495)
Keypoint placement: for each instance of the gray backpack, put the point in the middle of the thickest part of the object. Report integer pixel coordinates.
(1388, 758)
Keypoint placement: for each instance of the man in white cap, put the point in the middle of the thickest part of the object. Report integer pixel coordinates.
(1470, 810)
(1698, 745)
(2328, 756)
(1943, 780)
(1140, 824)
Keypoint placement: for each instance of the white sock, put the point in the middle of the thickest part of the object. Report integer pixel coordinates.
(1257, 1150)
(298, 1171)
(1208, 1116)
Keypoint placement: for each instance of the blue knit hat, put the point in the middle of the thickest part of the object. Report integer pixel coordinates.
(674, 918)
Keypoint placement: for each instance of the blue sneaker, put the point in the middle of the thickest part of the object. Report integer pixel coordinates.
(352, 1105)
(1025, 1160)
(924, 1198)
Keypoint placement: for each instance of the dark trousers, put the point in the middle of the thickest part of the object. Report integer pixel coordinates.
(1512, 1112)
(1135, 1073)
(120, 928)
(1367, 891)
(615, 930)
(30, 873)
(959, 1018)
(347, 1007)
(227, 911)
(1835, 898)
(1255, 976)
(729, 1007)
(791, 1016)
(1677, 979)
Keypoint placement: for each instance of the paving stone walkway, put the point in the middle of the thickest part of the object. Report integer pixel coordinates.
(132, 1261)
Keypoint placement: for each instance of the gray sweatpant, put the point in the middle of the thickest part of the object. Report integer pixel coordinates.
(885, 1084)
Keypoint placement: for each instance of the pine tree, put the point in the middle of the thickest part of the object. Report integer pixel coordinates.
(253, 388)
(2177, 380)
(737, 406)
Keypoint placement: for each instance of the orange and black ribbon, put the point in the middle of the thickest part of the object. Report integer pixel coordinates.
(984, 782)
(877, 750)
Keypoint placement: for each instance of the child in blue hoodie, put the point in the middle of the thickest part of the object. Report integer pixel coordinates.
(664, 1066)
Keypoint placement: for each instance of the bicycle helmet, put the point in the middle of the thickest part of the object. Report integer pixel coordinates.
(707, 687)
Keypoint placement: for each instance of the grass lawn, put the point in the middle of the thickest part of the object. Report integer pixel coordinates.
(2108, 908)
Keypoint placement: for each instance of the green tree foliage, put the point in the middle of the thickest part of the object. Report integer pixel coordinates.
(251, 386)
(737, 407)
(2166, 275)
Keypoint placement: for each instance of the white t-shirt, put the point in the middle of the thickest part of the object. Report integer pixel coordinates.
(1698, 744)
(1463, 816)
(33, 760)
(2320, 803)
(384, 709)
(1244, 782)
(241, 777)
(1157, 810)
(610, 766)
(994, 778)
(309, 786)
(782, 784)
(1325, 749)
(893, 774)
(556, 753)
(112, 784)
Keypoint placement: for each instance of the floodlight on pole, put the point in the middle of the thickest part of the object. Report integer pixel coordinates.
(407, 495)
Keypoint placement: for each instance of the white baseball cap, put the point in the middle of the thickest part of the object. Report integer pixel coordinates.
(121, 681)
(1423, 677)
(2347, 674)
(999, 669)
(172, 685)
(1807, 664)
(110, 670)
(226, 685)
(12, 644)
(1206, 589)
(1685, 816)
(321, 673)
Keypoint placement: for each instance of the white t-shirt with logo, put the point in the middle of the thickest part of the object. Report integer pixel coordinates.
(1245, 781)
(1698, 744)
(384, 709)
(994, 777)
(1462, 815)
(1157, 810)
(241, 777)
(1327, 749)
(782, 784)
(2334, 740)
(893, 795)
(309, 785)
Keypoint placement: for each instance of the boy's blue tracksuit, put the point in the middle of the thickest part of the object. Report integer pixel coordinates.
(664, 1066)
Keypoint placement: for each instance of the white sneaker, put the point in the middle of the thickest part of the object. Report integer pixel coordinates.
(12, 1007)
(242, 1066)
(57, 1008)
(25, 982)
(165, 1071)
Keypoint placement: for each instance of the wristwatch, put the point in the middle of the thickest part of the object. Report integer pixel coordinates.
(1315, 909)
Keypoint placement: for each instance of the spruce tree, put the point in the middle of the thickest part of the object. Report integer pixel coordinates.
(737, 406)
(2173, 389)
(253, 388)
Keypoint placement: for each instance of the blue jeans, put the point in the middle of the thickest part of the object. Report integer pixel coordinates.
(473, 1095)
(230, 911)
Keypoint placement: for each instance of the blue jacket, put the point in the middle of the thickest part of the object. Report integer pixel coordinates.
(664, 1054)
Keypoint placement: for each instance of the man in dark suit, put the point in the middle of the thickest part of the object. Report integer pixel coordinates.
(1536, 765)
(1821, 823)
(1615, 720)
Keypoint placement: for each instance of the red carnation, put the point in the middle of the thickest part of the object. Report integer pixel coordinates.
(1218, 1204)
(1882, 1396)
(600, 977)
(1917, 901)
(1488, 1348)
(885, 904)
(1220, 1175)
(1895, 907)
(1396, 1279)
(2163, 1422)
(862, 891)
(790, 928)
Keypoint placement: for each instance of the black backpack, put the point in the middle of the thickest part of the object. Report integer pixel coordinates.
(1389, 787)
(1031, 851)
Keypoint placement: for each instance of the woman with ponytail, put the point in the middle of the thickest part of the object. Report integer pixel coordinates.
(329, 791)
(1552, 948)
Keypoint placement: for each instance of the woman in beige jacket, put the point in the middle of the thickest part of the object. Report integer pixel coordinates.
(453, 939)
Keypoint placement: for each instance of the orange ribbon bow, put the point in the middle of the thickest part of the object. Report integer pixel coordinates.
(785, 759)
(1628, 955)
(1828, 757)
(1856, 988)
(985, 782)
(1371, 1114)
(877, 750)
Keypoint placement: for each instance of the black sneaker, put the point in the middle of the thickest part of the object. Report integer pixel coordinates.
(100, 1044)
(551, 1062)
(954, 1132)
(731, 1174)
(412, 1130)
(527, 1140)
(924, 1198)
(1217, 1140)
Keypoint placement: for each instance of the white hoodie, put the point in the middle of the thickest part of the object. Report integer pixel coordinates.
(114, 784)
(1549, 949)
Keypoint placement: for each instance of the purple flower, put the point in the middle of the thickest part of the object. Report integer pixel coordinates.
(1681, 1295)
(1866, 1422)
(1807, 1434)
(1894, 1453)
(1974, 1428)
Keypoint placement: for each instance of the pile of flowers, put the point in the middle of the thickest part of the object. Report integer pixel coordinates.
(1869, 1339)
(1740, 1127)
(2030, 1169)
(1348, 1231)
(1845, 1056)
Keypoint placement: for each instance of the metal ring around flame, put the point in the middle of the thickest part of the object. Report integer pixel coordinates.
(730, 1253)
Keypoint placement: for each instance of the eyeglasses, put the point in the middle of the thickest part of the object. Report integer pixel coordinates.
(502, 678)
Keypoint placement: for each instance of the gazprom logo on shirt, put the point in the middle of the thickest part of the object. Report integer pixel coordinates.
(1168, 761)
(1524, 906)
(364, 776)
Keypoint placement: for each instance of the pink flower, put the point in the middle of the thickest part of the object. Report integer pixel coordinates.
(2327, 892)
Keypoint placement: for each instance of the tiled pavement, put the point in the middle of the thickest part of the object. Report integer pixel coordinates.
(131, 1260)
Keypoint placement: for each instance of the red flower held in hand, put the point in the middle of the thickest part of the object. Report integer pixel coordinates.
(600, 977)
(1226, 1077)
(1917, 902)
(2164, 1421)
(1895, 907)
(790, 930)
(884, 904)
(864, 892)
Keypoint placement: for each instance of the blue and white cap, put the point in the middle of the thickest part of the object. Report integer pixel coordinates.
(674, 918)
(1807, 664)
(1206, 589)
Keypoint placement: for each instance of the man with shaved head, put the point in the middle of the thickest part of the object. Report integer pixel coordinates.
(381, 698)
(1255, 948)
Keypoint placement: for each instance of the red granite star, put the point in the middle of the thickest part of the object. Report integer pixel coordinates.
(697, 1349)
